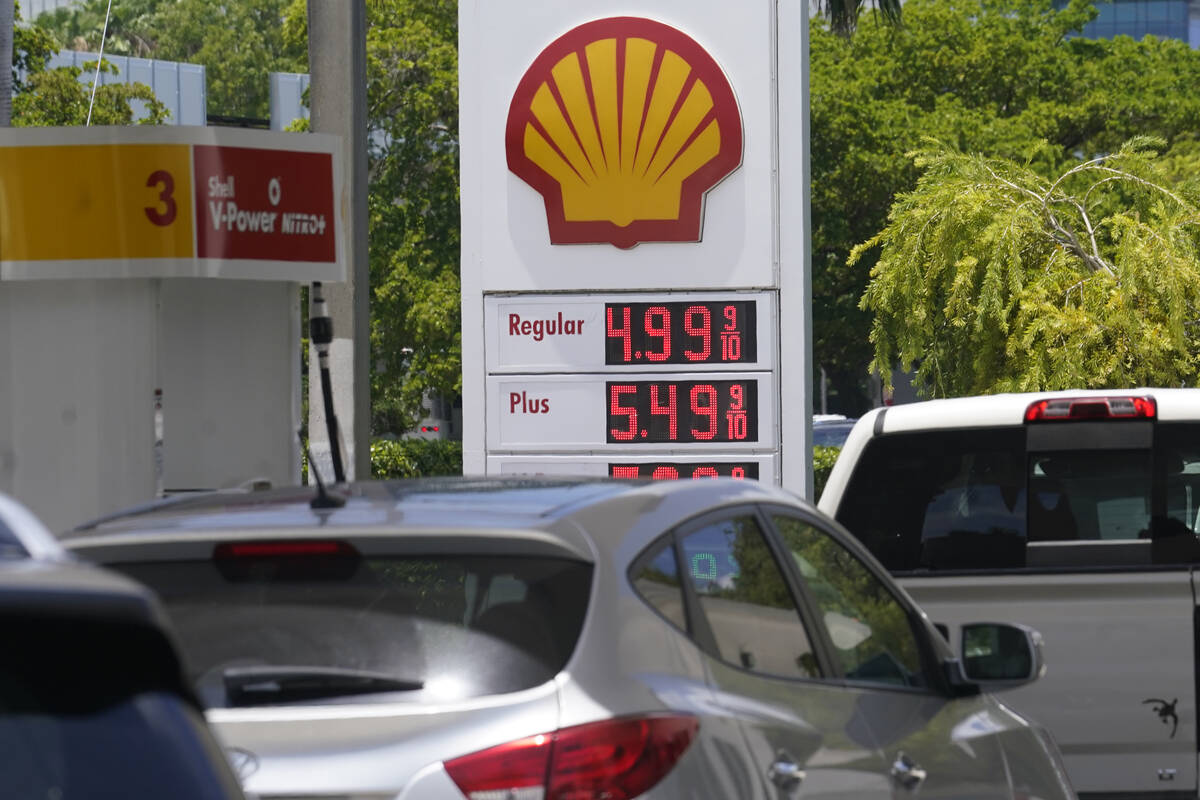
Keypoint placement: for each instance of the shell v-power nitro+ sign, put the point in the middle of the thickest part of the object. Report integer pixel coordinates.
(635, 250)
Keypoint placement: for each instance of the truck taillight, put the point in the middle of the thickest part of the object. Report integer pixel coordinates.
(616, 759)
(1084, 408)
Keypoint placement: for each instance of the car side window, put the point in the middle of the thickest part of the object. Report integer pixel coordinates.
(745, 599)
(655, 577)
(870, 629)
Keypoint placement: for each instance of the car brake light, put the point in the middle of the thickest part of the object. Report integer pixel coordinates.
(1077, 408)
(616, 759)
(282, 549)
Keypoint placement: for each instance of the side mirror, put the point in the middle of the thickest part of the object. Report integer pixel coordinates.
(998, 655)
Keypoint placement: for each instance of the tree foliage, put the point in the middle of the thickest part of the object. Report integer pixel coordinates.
(996, 77)
(413, 458)
(56, 97)
(239, 43)
(412, 113)
(412, 87)
(53, 97)
(993, 278)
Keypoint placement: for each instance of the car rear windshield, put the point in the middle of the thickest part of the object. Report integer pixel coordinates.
(988, 499)
(90, 709)
(284, 629)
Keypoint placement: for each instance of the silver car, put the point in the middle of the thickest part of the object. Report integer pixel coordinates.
(568, 639)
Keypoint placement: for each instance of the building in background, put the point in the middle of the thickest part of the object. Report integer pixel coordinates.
(31, 8)
(1166, 19)
(180, 87)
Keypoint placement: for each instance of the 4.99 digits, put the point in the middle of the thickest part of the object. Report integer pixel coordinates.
(683, 411)
(681, 333)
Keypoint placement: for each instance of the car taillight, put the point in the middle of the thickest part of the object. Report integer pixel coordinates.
(1083, 408)
(616, 759)
(282, 549)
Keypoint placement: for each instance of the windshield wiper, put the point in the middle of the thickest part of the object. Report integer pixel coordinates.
(266, 685)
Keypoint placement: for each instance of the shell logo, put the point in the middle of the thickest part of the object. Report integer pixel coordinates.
(623, 125)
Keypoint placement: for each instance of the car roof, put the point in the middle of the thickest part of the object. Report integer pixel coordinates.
(22, 534)
(1009, 409)
(35, 587)
(580, 515)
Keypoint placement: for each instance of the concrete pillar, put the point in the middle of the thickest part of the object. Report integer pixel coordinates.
(337, 52)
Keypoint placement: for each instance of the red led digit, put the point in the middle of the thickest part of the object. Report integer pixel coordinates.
(736, 417)
(662, 331)
(624, 470)
(707, 409)
(738, 473)
(702, 331)
(704, 472)
(665, 473)
(670, 410)
(615, 409)
(622, 332)
(730, 318)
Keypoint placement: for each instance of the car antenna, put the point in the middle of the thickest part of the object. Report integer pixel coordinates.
(323, 499)
(320, 333)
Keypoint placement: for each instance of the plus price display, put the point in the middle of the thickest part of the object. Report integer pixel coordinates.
(675, 470)
(707, 332)
(682, 411)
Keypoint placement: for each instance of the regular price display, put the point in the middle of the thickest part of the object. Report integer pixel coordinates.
(681, 333)
(683, 411)
(675, 470)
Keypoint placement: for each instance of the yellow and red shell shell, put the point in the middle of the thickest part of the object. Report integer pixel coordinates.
(622, 125)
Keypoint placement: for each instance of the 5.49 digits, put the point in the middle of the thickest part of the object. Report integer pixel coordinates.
(683, 411)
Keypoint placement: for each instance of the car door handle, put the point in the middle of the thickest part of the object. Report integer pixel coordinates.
(785, 773)
(906, 773)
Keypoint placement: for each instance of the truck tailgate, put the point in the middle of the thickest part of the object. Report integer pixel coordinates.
(1119, 693)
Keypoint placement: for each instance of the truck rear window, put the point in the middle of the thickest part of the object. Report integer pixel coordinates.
(279, 630)
(979, 499)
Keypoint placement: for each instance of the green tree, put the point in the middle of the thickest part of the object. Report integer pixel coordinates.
(412, 112)
(80, 25)
(993, 278)
(239, 43)
(412, 87)
(994, 77)
(56, 97)
(843, 15)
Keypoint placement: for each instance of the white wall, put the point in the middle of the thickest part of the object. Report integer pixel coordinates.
(79, 363)
(76, 396)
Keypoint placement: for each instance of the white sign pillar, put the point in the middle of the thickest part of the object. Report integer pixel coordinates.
(635, 239)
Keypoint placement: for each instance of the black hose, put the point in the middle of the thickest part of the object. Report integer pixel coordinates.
(320, 332)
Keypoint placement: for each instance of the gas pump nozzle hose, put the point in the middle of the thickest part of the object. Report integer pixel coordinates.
(320, 332)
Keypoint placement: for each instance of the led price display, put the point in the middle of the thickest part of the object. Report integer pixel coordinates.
(683, 411)
(675, 470)
(713, 332)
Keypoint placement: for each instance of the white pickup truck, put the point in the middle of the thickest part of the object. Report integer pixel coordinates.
(1076, 513)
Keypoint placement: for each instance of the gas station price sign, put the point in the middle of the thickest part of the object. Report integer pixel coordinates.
(701, 412)
(682, 412)
(693, 332)
(634, 332)
(669, 385)
(683, 470)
